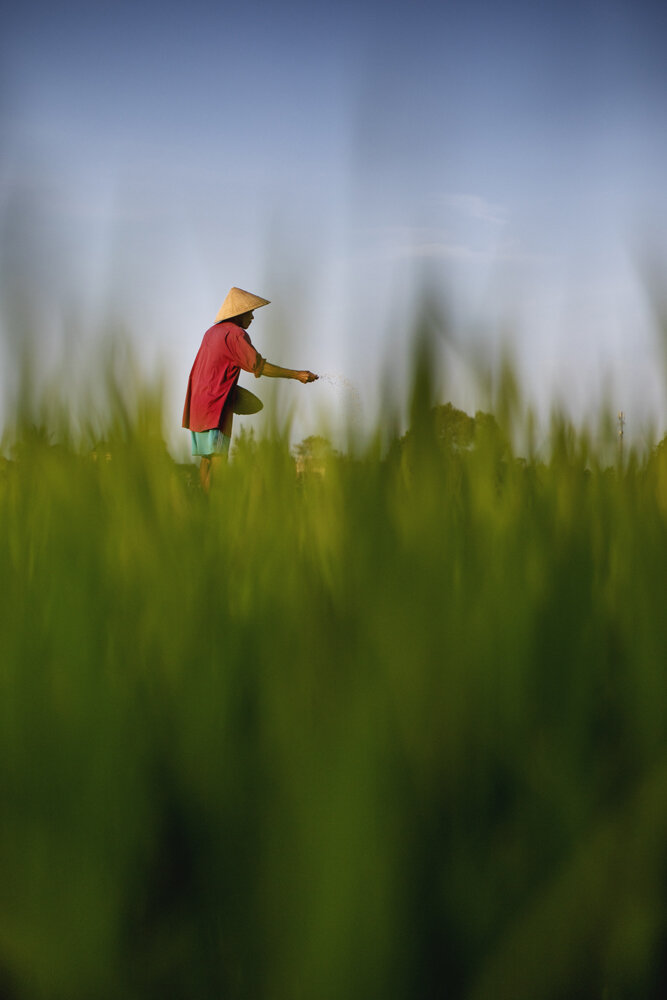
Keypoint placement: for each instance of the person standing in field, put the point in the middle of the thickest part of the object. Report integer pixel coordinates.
(224, 351)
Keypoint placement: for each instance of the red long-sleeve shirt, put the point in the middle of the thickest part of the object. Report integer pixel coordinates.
(224, 351)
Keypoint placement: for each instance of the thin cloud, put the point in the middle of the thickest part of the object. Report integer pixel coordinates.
(505, 253)
(420, 242)
(475, 207)
(439, 243)
(435, 244)
(439, 250)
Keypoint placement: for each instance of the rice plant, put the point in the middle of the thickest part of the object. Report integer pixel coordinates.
(390, 727)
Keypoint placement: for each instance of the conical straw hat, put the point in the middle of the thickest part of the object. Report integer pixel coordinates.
(239, 302)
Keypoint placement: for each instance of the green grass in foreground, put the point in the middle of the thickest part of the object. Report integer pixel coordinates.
(398, 731)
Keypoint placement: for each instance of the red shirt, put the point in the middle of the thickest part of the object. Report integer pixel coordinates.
(224, 351)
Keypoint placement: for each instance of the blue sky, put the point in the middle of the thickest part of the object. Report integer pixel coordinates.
(334, 158)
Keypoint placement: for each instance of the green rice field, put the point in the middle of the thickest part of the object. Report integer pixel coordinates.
(393, 727)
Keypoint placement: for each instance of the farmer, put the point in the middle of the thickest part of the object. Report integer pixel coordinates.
(224, 351)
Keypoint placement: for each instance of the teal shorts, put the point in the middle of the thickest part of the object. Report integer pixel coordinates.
(212, 442)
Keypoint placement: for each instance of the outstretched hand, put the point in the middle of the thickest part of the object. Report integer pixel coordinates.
(306, 377)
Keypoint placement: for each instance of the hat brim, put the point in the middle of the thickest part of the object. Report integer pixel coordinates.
(239, 302)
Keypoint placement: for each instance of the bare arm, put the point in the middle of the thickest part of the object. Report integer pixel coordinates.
(275, 371)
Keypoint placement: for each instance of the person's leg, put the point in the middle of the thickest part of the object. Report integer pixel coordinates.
(216, 462)
(205, 473)
(212, 446)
